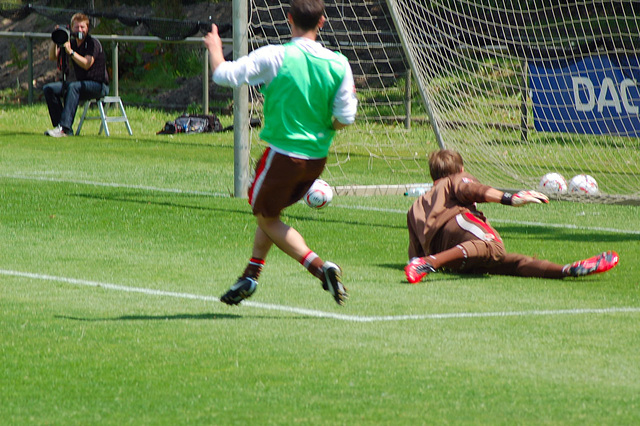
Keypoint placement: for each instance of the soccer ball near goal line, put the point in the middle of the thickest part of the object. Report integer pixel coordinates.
(553, 183)
(583, 184)
(319, 195)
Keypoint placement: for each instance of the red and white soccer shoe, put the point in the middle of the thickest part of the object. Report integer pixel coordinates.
(417, 269)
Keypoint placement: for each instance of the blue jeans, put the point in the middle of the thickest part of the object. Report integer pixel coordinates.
(64, 112)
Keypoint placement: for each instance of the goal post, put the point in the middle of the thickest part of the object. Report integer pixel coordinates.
(241, 146)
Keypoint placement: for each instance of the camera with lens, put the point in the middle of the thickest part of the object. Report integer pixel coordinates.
(61, 35)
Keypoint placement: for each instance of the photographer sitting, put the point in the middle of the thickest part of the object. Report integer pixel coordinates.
(90, 79)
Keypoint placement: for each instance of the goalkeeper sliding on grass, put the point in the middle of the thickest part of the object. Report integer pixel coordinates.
(446, 231)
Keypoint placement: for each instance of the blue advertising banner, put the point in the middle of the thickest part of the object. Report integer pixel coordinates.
(594, 95)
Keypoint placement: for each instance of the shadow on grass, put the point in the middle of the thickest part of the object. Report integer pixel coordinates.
(124, 199)
(178, 317)
(209, 316)
(4, 133)
(183, 143)
(536, 232)
(436, 276)
(138, 139)
(449, 276)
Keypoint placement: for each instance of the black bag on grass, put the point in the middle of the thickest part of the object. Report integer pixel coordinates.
(192, 124)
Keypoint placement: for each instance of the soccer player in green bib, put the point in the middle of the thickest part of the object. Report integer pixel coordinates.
(309, 94)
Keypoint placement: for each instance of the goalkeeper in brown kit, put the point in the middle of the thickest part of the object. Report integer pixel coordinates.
(446, 231)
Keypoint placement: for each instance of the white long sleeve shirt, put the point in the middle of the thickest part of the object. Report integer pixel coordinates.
(262, 65)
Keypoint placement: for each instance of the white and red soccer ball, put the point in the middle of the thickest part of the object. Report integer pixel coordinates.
(553, 183)
(319, 195)
(583, 184)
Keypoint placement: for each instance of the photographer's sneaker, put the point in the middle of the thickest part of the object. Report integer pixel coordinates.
(417, 269)
(594, 265)
(56, 132)
(242, 289)
(333, 284)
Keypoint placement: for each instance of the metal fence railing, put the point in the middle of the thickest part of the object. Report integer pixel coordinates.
(115, 39)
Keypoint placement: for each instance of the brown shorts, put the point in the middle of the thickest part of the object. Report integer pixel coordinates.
(281, 181)
(480, 242)
(460, 228)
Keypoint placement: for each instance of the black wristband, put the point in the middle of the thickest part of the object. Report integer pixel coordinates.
(507, 199)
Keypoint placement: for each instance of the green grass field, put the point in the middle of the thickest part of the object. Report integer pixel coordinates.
(113, 252)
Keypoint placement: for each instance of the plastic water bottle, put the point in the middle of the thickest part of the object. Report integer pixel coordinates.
(415, 192)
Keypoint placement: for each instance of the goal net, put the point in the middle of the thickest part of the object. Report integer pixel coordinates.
(520, 88)
(385, 151)
(524, 88)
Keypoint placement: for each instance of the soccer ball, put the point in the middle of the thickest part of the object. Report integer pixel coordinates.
(319, 195)
(583, 184)
(553, 183)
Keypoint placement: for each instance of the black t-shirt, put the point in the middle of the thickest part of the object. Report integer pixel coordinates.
(98, 71)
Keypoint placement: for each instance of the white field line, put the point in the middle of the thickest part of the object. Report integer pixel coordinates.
(321, 314)
(568, 226)
(365, 208)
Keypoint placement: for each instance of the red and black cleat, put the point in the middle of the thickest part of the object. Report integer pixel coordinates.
(594, 265)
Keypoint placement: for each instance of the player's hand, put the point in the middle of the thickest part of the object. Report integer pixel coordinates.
(212, 39)
(526, 197)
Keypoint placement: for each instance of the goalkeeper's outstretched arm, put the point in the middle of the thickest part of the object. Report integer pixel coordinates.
(518, 199)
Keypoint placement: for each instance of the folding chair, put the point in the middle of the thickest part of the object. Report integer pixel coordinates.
(107, 100)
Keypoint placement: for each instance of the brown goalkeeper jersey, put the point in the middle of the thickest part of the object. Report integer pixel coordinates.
(449, 196)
